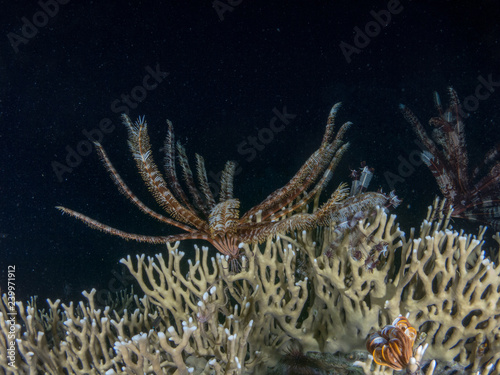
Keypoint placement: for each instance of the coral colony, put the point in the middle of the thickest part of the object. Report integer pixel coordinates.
(293, 279)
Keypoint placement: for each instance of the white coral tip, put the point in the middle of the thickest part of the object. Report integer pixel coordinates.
(421, 350)
(432, 366)
(139, 337)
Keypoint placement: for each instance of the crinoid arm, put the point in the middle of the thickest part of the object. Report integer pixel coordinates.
(201, 173)
(140, 147)
(127, 192)
(169, 163)
(187, 175)
(94, 224)
(431, 155)
(326, 157)
(340, 205)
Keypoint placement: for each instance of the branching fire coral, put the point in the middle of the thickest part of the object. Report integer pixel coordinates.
(214, 321)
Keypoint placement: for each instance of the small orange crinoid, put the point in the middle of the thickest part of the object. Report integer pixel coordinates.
(393, 345)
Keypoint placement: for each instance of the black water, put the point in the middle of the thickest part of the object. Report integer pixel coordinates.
(221, 75)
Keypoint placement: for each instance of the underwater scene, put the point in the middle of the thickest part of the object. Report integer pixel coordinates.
(250, 187)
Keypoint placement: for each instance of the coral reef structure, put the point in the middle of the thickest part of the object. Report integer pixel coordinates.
(328, 276)
(215, 321)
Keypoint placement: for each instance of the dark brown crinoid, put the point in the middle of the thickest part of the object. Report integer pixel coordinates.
(194, 209)
(474, 194)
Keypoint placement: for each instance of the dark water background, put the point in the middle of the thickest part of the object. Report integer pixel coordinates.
(229, 70)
